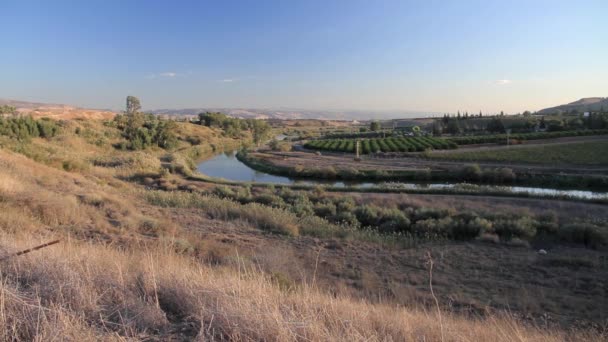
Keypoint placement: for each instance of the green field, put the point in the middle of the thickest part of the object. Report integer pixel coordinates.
(586, 153)
(502, 138)
(391, 144)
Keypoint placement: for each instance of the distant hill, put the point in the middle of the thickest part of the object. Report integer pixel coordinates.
(583, 105)
(57, 111)
(291, 114)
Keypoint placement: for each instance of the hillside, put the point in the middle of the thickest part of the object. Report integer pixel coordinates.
(57, 111)
(583, 105)
(123, 271)
(153, 250)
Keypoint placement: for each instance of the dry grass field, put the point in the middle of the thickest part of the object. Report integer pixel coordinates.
(146, 254)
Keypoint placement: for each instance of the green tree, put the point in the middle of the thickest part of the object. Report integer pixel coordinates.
(135, 118)
(416, 130)
(453, 126)
(261, 131)
(133, 105)
(374, 126)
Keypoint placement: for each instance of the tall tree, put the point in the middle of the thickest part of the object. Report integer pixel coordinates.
(374, 126)
(135, 117)
(133, 105)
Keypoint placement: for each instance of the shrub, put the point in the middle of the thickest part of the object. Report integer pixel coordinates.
(426, 213)
(588, 234)
(302, 206)
(367, 215)
(269, 200)
(547, 224)
(325, 210)
(74, 165)
(346, 217)
(393, 220)
(469, 228)
(224, 192)
(433, 228)
(524, 228)
(471, 172)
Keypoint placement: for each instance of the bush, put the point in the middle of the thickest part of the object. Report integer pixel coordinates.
(588, 234)
(523, 228)
(269, 200)
(426, 213)
(469, 228)
(433, 228)
(471, 172)
(367, 215)
(325, 210)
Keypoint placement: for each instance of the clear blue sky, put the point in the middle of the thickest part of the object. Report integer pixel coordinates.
(377, 55)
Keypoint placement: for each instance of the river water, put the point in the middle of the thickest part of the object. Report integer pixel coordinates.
(228, 167)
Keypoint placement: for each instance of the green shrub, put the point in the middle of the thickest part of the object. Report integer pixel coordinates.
(524, 228)
(367, 215)
(269, 200)
(471, 172)
(426, 213)
(433, 228)
(466, 228)
(325, 210)
(588, 234)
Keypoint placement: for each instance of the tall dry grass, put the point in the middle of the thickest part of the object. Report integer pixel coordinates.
(82, 291)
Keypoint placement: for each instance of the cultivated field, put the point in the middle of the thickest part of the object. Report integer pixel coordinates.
(583, 153)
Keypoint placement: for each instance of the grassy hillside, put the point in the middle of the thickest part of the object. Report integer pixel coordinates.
(149, 254)
(80, 291)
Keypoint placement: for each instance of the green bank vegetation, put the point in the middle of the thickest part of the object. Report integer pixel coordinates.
(317, 213)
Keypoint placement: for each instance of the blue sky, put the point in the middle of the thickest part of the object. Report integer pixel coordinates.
(367, 55)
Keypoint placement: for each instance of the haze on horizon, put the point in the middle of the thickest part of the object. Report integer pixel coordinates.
(435, 56)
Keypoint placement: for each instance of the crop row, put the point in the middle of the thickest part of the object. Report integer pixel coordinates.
(404, 144)
(498, 138)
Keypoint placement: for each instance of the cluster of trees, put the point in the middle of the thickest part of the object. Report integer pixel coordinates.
(6, 109)
(25, 128)
(144, 130)
(234, 127)
(517, 124)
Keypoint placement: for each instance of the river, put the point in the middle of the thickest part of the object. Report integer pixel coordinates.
(228, 167)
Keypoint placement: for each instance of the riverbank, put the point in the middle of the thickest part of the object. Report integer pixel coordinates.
(234, 172)
(342, 168)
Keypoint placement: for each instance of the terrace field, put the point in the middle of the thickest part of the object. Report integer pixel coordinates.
(390, 144)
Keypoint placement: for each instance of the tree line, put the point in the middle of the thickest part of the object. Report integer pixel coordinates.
(144, 130)
(234, 127)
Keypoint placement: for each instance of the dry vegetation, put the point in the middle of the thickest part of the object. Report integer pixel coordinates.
(79, 291)
(131, 267)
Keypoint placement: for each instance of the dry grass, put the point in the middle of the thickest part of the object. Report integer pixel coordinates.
(127, 291)
(80, 291)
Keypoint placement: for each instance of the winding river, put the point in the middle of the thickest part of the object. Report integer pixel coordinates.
(228, 167)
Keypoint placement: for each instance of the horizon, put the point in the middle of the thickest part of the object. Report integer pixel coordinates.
(337, 57)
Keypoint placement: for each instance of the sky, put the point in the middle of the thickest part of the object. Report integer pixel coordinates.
(432, 56)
